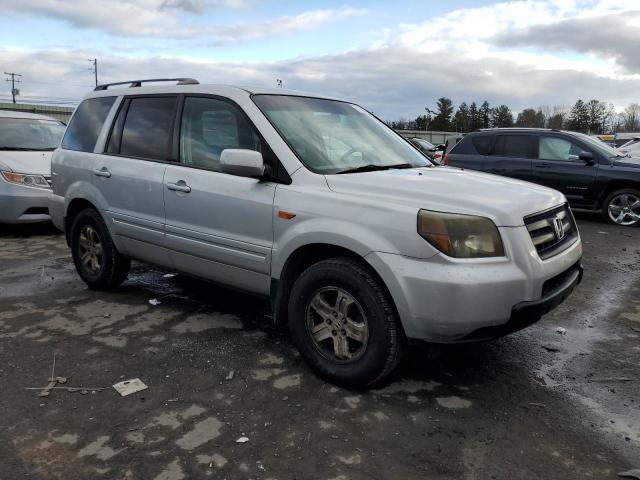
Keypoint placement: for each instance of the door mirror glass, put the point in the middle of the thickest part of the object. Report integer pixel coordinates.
(242, 162)
(587, 157)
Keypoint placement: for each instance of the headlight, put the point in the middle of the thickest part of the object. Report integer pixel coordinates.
(460, 236)
(24, 179)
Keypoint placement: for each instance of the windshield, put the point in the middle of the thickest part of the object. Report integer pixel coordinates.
(600, 146)
(329, 136)
(30, 134)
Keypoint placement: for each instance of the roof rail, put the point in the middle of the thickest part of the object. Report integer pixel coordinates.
(138, 83)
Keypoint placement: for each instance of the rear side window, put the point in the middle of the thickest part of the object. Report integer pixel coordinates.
(512, 146)
(147, 128)
(482, 144)
(86, 124)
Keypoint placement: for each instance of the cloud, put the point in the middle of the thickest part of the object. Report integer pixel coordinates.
(171, 19)
(614, 36)
(391, 81)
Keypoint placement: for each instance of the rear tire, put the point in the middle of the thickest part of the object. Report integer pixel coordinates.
(96, 258)
(342, 321)
(622, 207)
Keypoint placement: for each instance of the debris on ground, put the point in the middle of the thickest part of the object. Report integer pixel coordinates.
(242, 440)
(561, 330)
(230, 375)
(635, 473)
(127, 387)
(550, 348)
(154, 302)
(169, 275)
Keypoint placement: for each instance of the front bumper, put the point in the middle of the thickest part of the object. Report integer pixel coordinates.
(446, 300)
(22, 204)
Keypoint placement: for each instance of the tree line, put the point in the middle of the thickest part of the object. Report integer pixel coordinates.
(593, 117)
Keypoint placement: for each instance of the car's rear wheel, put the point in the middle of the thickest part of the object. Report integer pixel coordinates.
(343, 323)
(622, 207)
(96, 258)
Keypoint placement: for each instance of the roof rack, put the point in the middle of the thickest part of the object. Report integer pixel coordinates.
(138, 83)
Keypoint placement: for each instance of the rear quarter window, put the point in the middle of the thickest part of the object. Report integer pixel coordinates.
(482, 144)
(86, 124)
(517, 146)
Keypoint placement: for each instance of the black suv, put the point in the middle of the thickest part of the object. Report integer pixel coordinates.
(591, 174)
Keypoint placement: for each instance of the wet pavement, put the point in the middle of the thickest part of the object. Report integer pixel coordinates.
(536, 404)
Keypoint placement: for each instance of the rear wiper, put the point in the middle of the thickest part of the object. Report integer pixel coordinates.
(372, 168)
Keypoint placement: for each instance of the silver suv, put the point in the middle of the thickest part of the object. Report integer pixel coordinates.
(357, 239)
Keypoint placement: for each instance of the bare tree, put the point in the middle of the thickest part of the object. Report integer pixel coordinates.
(631, 118)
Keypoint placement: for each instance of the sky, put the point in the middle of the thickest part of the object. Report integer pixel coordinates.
(393, 58)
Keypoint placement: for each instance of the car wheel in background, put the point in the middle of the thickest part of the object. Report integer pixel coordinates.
(343, 323)
(96, 258)
(622, 207)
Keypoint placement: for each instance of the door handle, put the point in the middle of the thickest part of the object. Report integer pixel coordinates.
(542, 165)
(103, 172)
(179, 186)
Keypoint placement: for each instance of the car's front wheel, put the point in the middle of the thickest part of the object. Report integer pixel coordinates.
(96, 258)
(343, 323)
(622, 207)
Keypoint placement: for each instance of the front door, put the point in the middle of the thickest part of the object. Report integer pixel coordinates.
(219, 226)
(130, 175)
(557, 166)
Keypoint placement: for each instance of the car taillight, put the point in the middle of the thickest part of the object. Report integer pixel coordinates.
(445, 160)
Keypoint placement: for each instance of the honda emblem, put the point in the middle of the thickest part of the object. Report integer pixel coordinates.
(558, 227)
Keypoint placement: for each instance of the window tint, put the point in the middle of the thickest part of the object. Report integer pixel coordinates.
(147, 127)
(84, 129)
(482, 144)
(511, 146)
(555, 148)
(208, 127)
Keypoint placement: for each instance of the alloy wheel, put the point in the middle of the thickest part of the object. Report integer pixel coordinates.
(624, 209)
(90, 249)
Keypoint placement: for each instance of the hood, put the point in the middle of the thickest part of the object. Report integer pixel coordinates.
(26, 162)
(628, 162)
(445, 189)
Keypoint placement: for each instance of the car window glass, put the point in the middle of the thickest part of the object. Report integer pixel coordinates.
(555, 148)
(86, 124)
(208, 127)
(482, 144)
(512, 146)
(147, 127)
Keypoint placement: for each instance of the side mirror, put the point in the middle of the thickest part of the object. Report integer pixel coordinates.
(242, 162)
(442, 147)
(587, 157)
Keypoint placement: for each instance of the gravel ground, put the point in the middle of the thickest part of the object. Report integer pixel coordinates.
(536, 404)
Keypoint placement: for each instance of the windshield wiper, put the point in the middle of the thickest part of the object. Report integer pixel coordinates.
(25, 149)
(372, 168)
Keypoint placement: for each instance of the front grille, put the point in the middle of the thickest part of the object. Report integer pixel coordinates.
(552, 231)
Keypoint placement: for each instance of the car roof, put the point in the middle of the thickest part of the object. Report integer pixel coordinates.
(20, 114)
(211, 89)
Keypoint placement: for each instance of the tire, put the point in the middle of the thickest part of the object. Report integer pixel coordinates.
(624, 200)
(342, 301)
(90, 236)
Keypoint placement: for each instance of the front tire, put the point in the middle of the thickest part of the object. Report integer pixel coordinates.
(96, 258)
(622, 207)
(343, 323)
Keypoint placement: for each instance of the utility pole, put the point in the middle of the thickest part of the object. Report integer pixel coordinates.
(14, 90)
(94, 63)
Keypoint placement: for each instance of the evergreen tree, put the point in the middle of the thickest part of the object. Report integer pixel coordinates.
(501, 117)
(461, 118)
(442, 119)
(579, 117)
(475, 120)
(485, 114)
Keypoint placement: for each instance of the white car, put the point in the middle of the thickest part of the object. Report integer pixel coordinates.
(26, 143)
(359, 241)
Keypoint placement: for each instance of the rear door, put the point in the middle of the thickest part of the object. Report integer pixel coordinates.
(219, 226)
(511, 155)
(130, 175)
(557, 166)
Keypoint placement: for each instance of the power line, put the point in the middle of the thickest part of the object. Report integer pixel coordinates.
(14, 90)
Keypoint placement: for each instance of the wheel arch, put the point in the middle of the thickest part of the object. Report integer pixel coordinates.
(75, 206)
(613, 186)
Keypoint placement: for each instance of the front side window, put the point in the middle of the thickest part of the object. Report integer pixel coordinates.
(208, 127)
(331, 137)
(86, 124)
(30, 134)
(555, 148)
(147, 128)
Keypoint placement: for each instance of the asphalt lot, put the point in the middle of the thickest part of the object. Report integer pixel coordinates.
(536, 404)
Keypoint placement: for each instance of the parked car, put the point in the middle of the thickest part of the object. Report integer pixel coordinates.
(26, 143)
(428, 148)
(591, 174)
(631, 147)
(356, 238)
(449, 143)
